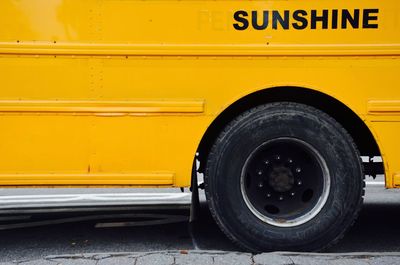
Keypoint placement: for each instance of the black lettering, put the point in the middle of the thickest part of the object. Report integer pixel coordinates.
(276, 17)
(299, 16)
(323, 19)
(254, 19)
(301, 19)
(240, 16)
(367, 18)
(347, 17)
(334, 18)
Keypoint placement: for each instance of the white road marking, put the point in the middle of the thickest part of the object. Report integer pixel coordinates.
(375, 159)
(107, 199)
(375, 183)
(94, 200)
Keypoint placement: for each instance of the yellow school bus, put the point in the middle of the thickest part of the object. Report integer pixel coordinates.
(276, 100)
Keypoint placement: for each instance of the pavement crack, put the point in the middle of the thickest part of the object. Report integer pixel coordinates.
(291, 260)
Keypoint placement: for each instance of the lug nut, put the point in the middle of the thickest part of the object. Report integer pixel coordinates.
(280, 198)
(292, 194)
(266, 162)
(299, 183)
(268, 195)
(290, 161)
(259, 173)
(260, 185)
(298, 170)
(278, 157)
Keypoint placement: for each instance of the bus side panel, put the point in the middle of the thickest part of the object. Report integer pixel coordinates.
(120, 92)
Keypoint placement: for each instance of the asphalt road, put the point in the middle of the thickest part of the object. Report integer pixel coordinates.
(376, 230)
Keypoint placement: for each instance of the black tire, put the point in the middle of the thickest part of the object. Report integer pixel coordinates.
(226, 173)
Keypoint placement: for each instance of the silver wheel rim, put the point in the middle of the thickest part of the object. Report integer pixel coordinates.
(309, 215)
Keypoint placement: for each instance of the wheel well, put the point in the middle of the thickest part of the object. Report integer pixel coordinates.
(345, 116)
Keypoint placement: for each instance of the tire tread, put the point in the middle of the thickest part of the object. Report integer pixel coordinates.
(283, 105)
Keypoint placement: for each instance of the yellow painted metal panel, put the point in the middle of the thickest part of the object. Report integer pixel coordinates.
(46, 78)
(43, 144)
(97, 92)
(89, 49)
(100, 107)
(180, 21)
(88, 179)
(384, 107)
(387, 136)
(396, 180)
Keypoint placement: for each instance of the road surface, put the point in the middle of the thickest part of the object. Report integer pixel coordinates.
(107, 230)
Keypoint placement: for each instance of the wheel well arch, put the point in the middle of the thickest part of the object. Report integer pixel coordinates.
(359, 131)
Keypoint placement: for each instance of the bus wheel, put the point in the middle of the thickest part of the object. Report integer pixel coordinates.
(284, 176)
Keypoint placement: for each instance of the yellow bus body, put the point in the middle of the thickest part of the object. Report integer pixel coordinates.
(122, 92)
